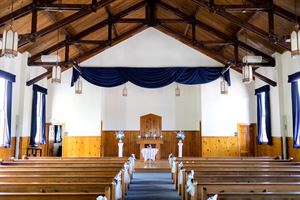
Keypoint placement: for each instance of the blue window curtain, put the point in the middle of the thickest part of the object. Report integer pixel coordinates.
(263, 114)
(294, 80)
(38, 89)
(149, 77)
(10, 78)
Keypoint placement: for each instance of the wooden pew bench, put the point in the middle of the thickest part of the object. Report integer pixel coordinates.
(203, 189)
(259, 196)
(50, 196)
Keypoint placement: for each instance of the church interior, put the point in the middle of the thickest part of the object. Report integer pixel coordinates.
(150, 99)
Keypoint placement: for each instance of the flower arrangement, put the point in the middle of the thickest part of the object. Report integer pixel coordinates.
(120, 135)
(180, 135)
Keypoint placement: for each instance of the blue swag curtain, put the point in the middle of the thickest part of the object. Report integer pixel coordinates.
(293, 79)
(10, 78)
(258, 92)
(33, 132)
(149, 77)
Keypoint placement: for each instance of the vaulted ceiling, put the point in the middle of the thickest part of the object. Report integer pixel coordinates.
(225, 30)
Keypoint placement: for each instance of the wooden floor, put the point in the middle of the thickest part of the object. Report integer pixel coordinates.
(156, 166)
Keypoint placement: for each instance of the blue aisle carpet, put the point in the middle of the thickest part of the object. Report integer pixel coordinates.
(148, 186)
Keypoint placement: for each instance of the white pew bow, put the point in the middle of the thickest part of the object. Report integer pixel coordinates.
(118, 179)
(101, 198)
(190, 183)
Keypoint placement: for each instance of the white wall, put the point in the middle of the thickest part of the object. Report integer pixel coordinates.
(124, 113)
(150, 48)
(221, 113)
(80, 113)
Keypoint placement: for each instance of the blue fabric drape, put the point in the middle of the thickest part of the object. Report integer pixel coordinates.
(259, 93)
(293, 79)
(149, 77)
(10, 78)
(38, 89)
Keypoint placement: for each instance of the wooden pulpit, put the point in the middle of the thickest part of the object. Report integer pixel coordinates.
(155, 143)
(150, 133)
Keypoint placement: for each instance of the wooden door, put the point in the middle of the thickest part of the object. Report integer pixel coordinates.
(246, 139)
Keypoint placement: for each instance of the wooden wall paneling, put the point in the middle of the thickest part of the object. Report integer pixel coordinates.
(220, 146)
(110, 143)
(292, 152)
(6, 153)
(23, 144)
(270, 150)
(81, 146)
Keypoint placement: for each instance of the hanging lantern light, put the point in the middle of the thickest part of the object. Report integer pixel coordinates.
(124, 91)
(247, 74)
(10, 40)
(56, 74)
(177, 91)
(295, 42)
(224, 86)
(295, 37)
(78, 86)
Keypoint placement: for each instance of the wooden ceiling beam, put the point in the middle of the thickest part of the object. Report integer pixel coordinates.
(65, 31)
(219, 34)
(18, 13)
(209, 52)
(108, 11)
(27, 38)
(218, 10)
(88, 31)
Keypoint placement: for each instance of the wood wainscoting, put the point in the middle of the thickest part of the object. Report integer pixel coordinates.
(191, 146)
(6, 153)
(220, 146)
(269, 150)
(81, 146)
(292, 152)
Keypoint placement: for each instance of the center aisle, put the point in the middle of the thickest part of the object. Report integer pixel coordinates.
(148, 186)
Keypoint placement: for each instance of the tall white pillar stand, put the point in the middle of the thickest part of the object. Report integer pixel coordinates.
(180, 144)
(120, 153)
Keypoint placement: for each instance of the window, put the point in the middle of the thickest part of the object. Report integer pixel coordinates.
(264, 138)
(3, 113)
(39, 121)
(263, 115)
(294, 79)
(38, 116)
(6, 83)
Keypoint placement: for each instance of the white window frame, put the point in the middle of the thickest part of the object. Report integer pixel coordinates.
(263, 136)
(39, 122)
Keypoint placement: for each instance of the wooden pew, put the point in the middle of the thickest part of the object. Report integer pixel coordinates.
(204, 190)
(259, 196)
(50, 196)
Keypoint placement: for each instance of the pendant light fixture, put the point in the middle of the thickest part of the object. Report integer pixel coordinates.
(247, 73)
(56, 70)
(10, 39)
(295, 37)
(177, 91)
(247, 69)
(78, 86)
(124, 91)
(224, 86)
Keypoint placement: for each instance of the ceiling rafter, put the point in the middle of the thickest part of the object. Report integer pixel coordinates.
(214, 31)
(228, 16)
(208, 52)
(33, 36)
(87, 31)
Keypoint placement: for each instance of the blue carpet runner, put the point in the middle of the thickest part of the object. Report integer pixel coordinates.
(148, 186)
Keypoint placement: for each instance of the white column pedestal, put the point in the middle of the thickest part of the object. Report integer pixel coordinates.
(180, 144)
(120, 145)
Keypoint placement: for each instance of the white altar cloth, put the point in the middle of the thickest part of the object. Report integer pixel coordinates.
(149, 153)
